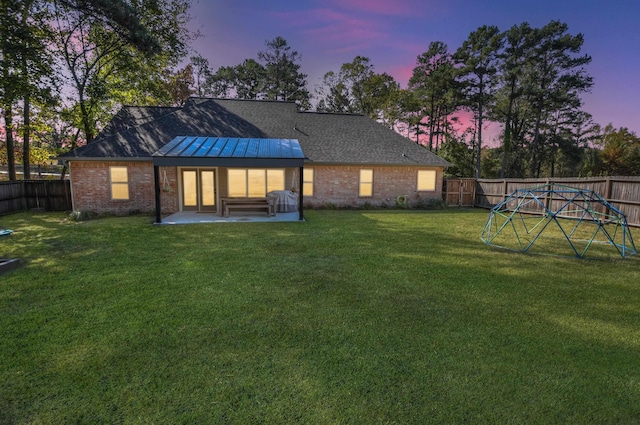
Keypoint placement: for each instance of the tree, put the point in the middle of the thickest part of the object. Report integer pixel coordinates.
(513, 61)
(355, 76)
(11, 34)
(457, 151)
(283, 79)
(100, 55)
(433, 80)
(37, 72)
(180, 85)
(25, 68)
(356, 88)
(249, 79)
(620, 154)
(378, 92)
(477, 73)
(223, 81)
(333, 94)
(399, 105)
(244, 81)
(201, 75)
(121, 17)
(556, 76)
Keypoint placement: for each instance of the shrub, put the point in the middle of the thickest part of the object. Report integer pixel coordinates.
(83, 215)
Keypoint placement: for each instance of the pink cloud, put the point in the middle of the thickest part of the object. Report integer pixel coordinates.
(402, 74)
(338, 31)
(381, 7)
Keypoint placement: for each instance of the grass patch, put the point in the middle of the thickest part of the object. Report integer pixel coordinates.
(350, 317)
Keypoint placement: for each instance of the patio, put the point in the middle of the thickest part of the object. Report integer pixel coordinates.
(192, 217)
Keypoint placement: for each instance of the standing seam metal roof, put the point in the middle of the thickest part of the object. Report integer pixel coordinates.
(228, 147)
(239, 152)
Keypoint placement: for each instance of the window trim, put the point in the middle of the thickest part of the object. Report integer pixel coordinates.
(308, 181)
(361, 182)
(435, 181)
(247, 180)
(113, 183)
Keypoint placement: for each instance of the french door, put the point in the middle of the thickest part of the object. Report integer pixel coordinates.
(198, 189)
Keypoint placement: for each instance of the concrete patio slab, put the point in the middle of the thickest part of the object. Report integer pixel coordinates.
(192, 217)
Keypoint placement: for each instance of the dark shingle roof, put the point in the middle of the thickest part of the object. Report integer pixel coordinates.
(132, 116)
(325, 137)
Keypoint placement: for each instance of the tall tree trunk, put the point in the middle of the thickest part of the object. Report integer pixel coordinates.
(431, 122)
(88, 128)
(534, 145)
(26, 151)
(8, 126)
(506, 144)
(480, 111)
(26, 165)
(438, 131)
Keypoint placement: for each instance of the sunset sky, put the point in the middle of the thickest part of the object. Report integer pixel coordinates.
(392, 33)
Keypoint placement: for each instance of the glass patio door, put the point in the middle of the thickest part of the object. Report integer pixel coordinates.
(198, 189)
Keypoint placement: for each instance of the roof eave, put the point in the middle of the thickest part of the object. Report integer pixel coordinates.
(227, 162)
(106, 158)
(377, 164)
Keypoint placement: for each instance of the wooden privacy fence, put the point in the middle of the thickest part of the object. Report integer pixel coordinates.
(622, 192)
(460, 192)
(24, 195)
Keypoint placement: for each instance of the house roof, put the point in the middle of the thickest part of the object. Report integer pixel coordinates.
(226, 151)
(325, 138)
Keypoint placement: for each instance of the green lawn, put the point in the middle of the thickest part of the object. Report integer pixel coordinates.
(352, 317)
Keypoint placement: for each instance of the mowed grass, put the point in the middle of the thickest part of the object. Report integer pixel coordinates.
(352, 317)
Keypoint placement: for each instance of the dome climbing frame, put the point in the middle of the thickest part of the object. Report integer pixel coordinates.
(559, 220)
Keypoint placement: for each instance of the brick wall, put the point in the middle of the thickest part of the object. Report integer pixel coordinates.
(333, 185)
(339, 186)
(168, 189)
(91, 189)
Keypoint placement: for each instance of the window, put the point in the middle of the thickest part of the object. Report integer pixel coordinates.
(307, 182)
(366, 182)
(119, 183)
(254, 182)
(237, 183)
(275, 180)
(426, 180)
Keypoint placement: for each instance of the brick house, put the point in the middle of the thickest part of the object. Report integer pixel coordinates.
(171, 159)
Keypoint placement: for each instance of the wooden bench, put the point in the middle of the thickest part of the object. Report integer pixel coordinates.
(258, 204)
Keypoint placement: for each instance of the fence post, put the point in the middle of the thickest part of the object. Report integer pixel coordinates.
(607, 188)
(607, 192)
(505, 186)
(546, 196)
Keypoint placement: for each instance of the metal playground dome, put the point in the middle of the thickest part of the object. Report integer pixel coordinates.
(559, 220)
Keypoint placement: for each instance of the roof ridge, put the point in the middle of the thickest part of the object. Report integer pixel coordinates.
(150, 107)
(284, 102)
(347, 114)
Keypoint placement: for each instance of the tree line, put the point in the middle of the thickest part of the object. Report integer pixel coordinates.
(68, 65)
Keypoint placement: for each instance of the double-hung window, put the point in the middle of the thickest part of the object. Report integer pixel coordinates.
(307, 182)
(366, 183)
(119, 180)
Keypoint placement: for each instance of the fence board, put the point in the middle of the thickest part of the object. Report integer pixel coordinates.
(623, 192)
(23, 195)
(459, 192)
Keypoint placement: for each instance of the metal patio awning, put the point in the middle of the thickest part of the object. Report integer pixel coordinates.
(196, 151)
